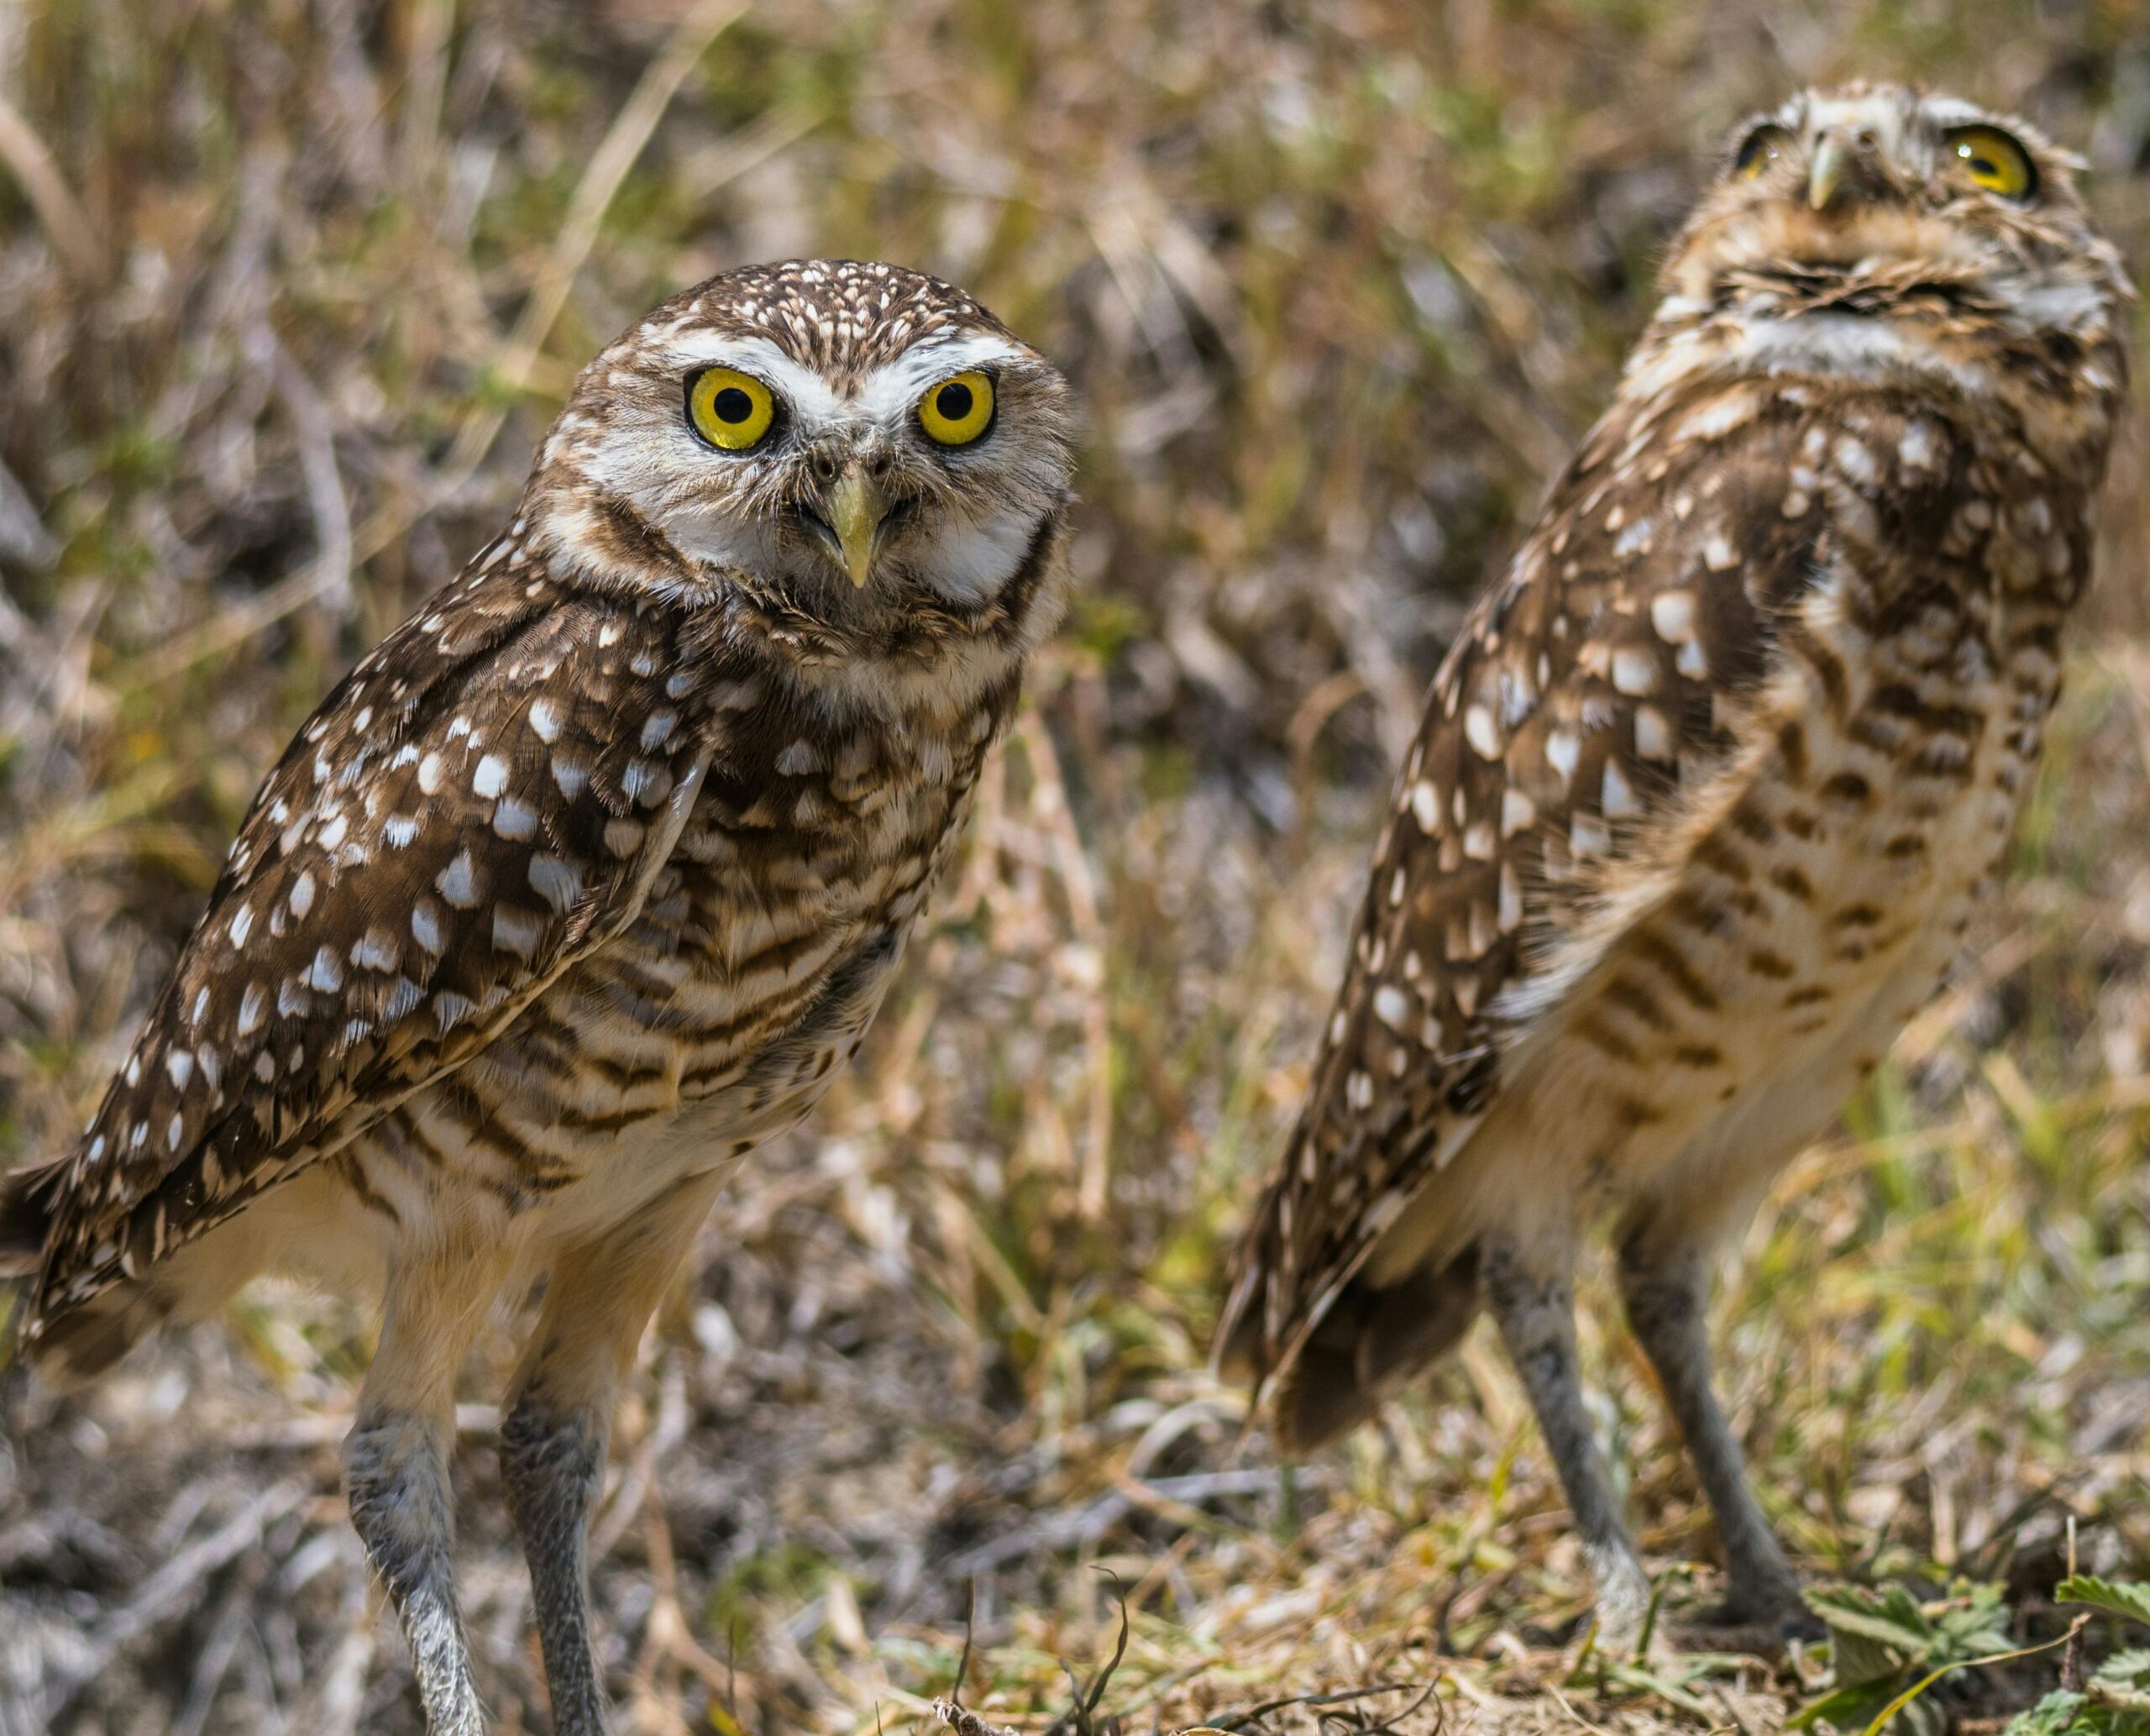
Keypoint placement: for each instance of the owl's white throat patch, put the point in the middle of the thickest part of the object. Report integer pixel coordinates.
(969, 563)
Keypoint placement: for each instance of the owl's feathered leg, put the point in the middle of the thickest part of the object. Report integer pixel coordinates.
(395, 1463)
(1530, 1290)
(553, 1437)
(1665, 1291)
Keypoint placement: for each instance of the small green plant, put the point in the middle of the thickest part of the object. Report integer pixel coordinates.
(2115, 1699)
(1887, 1646)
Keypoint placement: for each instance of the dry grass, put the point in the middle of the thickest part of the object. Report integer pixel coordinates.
(289, 288)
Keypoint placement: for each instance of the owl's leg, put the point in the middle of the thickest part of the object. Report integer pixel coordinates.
(1667, 1288)
(554, 1434)
(1530, 1289)
(395, 1464)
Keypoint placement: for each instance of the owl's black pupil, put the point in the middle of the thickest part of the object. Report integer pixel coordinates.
(954, 401)
(732, 405)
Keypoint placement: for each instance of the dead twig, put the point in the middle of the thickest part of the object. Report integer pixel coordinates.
(953, 1716)
(174, 1585)
(1233, 1722)
(51, 196)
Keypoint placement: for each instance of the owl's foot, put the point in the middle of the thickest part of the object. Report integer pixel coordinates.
(395, 1476)
(551, 1467)
(1761, 1622)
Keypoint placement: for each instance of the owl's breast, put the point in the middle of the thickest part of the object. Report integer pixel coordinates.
(1725, 951)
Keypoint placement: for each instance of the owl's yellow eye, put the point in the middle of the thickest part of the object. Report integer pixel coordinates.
(1994, 160)
(730, 409)
(959, 409)
(1758, 149)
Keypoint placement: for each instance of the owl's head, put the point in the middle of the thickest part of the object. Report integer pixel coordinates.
(1873, 200)
(854, 444)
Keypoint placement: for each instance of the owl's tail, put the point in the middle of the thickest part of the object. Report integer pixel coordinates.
(84, 1341)
(1371, 1339)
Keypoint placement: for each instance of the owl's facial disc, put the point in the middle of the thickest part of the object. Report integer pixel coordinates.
(933, 471)
(1847, 210)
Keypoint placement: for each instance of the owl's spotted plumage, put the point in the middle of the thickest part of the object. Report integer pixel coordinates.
(1708, 788)
(584, 882)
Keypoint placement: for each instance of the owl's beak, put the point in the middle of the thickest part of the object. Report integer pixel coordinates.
(1825, 172)
(858, 510)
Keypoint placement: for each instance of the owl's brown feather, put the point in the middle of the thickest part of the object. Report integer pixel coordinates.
(1693, 778)
(584, 883)
(615, 818)
(482, 800)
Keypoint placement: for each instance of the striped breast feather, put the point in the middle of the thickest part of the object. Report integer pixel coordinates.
(1600, 678)
(484, 799)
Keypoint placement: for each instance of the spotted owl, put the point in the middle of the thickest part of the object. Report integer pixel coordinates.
(581, 886)
(1709, 787)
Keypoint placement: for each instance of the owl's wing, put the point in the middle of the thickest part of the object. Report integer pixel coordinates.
(484, 799)
(1588, 687)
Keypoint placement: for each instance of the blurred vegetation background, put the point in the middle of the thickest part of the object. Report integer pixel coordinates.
(289, 289)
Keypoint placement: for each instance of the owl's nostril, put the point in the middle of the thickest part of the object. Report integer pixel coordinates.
(1866, 139)
(825, 466)
(879, 465)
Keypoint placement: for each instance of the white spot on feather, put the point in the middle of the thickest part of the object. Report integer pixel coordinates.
(1672, 613)
(457, 883)
(513, 820)
(425, 927)
(1563, 751)
(516, 930)
(1480, 730)
(570, 774)
(1634, 671)
(559, 883)
(1426, 806)
(375, 950)
(1652, 735)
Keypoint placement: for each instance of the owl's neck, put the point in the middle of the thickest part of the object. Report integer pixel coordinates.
(2048, 361)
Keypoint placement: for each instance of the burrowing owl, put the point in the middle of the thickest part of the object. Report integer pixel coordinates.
(584, 882)
(1707, 792)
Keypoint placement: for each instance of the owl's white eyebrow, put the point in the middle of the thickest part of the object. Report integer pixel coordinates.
(885, 394)
(1951, 111)
(806, 392)
(890, 391)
